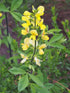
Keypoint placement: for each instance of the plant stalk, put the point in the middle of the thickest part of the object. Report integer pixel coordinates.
(10, 51)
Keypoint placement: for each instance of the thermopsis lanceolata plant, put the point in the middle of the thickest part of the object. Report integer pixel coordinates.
(33, 52)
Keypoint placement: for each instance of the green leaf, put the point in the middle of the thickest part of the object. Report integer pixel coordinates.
(40, 75)
(57, 45)
(33, 89)
(9, 38)
(55, 38)
(53, 30)
(3, 8)
(36, 80)
(17, 16)
(16, 4)
(16, 71)
(23, 83)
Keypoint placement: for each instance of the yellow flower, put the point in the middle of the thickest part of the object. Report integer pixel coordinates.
(43, 33)
(33, 37)
(37, 61)
(27, 41)
(42, 46)
(40, 8)
(0, 14)
(25, 46)
(41, 52)
(41, 22)
(24, 58)
(27, 13)
(25, 18)
(40, 11)
(25, 25)
(43, 27)
(28, 22)
(45, 37)
(34, 32)
(25, 32)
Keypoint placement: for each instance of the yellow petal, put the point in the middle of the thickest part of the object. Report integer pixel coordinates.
(0, 14)
(24, 32)
(41, 22)
(34, 32)
(41, 52)
(28, 23)
(27, 13)
(25, 25)
(33, 37)
(42, 46)
(27, 41)
(37, 61)
(40, 8)
(24, 18)
(45, 37)
(25, 46)
(43, 27)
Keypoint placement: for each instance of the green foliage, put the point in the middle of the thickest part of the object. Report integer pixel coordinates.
(3, 8)
(33, 79)
(23, 83)
(54, 17)
(16, 15)
(16, 4)
(66, 28)
(16, 71)
(36, 80)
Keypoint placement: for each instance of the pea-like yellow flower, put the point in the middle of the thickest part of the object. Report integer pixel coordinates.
(41, 52)
(37, 61)
(43, 27)
(0, 14)
(26, 13)
(33, 37)
(41, 22)
(45, 37)
(25, 18)
(40, 11)
(27, 41)
(24, 46)
(40, 8)
(24, 58)
(42, 46)
(25, 31)
(25, 25)
(33, 34)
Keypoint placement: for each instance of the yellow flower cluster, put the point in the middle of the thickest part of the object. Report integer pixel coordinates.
(32, 25)
(0, 14)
